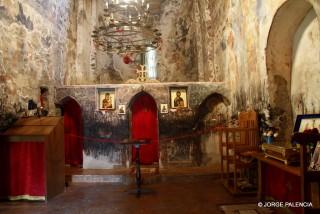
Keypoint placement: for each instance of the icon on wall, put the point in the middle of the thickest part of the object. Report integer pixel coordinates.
(164, 108)
(106, 99)
(178, 97)
(122, 109)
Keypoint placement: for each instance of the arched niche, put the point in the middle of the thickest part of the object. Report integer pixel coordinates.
(305, 77)
(279, 52)
(208, 109)
(212, 111)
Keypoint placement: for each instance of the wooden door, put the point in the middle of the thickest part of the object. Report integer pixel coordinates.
(144, 125)
(73, 132)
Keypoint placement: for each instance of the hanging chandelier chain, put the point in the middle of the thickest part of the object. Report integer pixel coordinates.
(127, 27)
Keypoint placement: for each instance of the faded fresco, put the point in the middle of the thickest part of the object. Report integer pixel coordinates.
(234, 39)
(33, 51)
(176, 58)
(306, 67)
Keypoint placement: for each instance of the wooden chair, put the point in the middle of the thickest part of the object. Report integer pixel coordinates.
(234, 144)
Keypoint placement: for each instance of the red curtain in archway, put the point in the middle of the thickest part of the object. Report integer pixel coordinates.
(72, 133)
(145, 126)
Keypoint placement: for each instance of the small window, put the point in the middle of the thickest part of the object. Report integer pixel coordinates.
(151, 63)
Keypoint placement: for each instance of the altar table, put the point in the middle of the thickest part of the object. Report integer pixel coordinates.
(32, 159)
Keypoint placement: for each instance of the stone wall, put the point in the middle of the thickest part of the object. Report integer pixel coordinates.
(237, 34)
(178, 54)
(305, 93)
(110, 126)
(177, 59)
(238, 49)
(33, 50)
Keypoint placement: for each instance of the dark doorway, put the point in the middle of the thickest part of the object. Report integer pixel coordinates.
(73, 131)
(144, 125)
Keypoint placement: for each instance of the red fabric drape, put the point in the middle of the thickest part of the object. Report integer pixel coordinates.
(22, 170)
(145, 126)
(72, 128)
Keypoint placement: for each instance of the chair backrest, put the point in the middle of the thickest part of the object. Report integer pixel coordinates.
(249, 119)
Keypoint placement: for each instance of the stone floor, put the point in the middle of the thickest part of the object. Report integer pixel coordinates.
(175, 194)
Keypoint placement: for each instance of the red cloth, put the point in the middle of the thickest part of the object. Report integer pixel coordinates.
(145, 126)
(41, 100)
(73, 128)
(22, 170)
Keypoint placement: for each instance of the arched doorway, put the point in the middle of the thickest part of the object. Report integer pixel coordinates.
(212, 112)
(209, 106)
(73, 131)
(144, 125)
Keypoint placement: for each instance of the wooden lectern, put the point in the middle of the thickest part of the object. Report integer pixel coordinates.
(32, 159)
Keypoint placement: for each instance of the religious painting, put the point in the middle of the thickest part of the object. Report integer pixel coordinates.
(307, 122)
(106, 99)
(122, 109)
(178, 97)
(304, 123)
(164, 108)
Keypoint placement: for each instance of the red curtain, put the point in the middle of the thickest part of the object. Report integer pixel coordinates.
(145, 126)
(22, 170)
(73, 131)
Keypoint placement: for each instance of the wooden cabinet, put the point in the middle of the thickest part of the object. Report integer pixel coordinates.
(284, 183)
(310, 180)
(278, 181)
(32, 159)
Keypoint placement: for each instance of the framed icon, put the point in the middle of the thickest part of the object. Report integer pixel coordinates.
(178, 97)
(106, 99)
(306, 122)
(164, 108)
(122, 109)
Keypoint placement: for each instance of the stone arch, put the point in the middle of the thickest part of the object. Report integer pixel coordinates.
(305, 94)
(137, 95)
(206, 107)
(67, 99)
(279, 58)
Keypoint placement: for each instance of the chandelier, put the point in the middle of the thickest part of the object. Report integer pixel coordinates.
(127, 27)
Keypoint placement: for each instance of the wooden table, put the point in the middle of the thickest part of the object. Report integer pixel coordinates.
(137, 144)
(278, 181)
